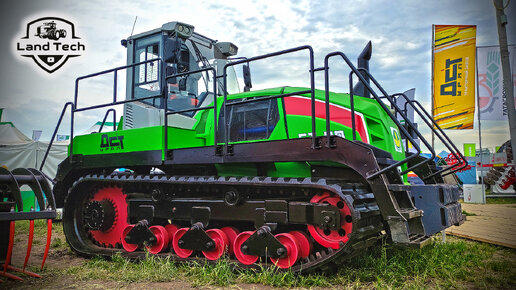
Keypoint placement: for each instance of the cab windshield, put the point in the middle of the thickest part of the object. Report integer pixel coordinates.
(187, 92)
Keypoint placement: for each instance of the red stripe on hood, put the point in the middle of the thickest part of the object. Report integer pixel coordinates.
(302, 106)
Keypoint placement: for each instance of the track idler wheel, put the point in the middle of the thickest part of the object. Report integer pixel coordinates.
(220, 244)
(176, 243)
(292, 254)
(241, 253)
(333, 238)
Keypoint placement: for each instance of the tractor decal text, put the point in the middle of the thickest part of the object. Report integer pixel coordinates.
(111, 143)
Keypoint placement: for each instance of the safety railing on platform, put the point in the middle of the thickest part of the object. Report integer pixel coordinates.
(74, 108)
(362, 79)
(362, 74)
(214, 106)
(269, 55)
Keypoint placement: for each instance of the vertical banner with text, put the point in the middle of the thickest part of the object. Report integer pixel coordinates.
(491, 94)
(454, 76)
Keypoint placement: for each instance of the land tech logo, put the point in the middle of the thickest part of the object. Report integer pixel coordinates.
(50, 42)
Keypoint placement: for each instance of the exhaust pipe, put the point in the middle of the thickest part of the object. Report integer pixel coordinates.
(363, 62)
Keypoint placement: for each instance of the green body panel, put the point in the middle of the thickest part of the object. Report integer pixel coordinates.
(133, 140)
(381, 131)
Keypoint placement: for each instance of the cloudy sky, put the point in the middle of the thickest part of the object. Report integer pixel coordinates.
(401, 32)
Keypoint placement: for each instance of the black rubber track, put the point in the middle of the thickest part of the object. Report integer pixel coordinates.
(367, 221)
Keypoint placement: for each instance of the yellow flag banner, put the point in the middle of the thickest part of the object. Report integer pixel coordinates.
(454, 76)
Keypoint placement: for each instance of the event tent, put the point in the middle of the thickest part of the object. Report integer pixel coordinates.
(18, 150)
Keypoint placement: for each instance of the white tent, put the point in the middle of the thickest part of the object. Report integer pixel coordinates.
(18, 150)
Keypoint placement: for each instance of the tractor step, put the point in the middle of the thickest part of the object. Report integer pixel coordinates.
(411, 213)
(419, 241)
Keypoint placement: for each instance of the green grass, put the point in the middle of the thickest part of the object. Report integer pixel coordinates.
(501, 200)
(456, 264)
(468, 213)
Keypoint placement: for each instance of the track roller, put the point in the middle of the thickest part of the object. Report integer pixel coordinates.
(231, 233)
(162, 240)
(293, 251)
(220, 247)
(127, 246)
(240, 253)
(305, 245)
(183, 253)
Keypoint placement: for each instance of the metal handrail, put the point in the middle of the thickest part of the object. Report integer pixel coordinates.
(105, 117)
(441, 136)
(214, 107)
(427, 145)
(373, 93)
(404, 116)
(312, 89)
(115, 102)
(55, 133)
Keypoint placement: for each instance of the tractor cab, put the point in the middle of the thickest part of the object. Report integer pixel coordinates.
(156, 57)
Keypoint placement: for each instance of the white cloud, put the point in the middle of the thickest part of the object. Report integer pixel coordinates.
(400, 32)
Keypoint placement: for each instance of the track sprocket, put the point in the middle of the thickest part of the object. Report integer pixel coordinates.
(111, 236)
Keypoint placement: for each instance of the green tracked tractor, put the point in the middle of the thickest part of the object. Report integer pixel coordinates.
(296, 176)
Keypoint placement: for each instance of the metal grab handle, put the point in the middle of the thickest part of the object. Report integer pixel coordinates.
(55, 133)
(105, 117)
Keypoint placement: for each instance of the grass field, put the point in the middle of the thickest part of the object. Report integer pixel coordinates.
(455, 264)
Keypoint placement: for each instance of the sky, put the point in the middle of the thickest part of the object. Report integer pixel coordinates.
(400, 31)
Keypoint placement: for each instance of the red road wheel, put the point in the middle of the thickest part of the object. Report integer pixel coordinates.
(290, 243)
(128, 247)
(305, 245)
(171, 230)
(332, 238)
(162, 240)
(182, 253)
(243, 258)
(110, 238)
(231, 233)
(221, 244)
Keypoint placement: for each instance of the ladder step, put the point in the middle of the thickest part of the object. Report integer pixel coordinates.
(411, 213)
(419, 241)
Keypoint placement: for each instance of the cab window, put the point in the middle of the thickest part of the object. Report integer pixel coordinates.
(250, 121)
(146, 76)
